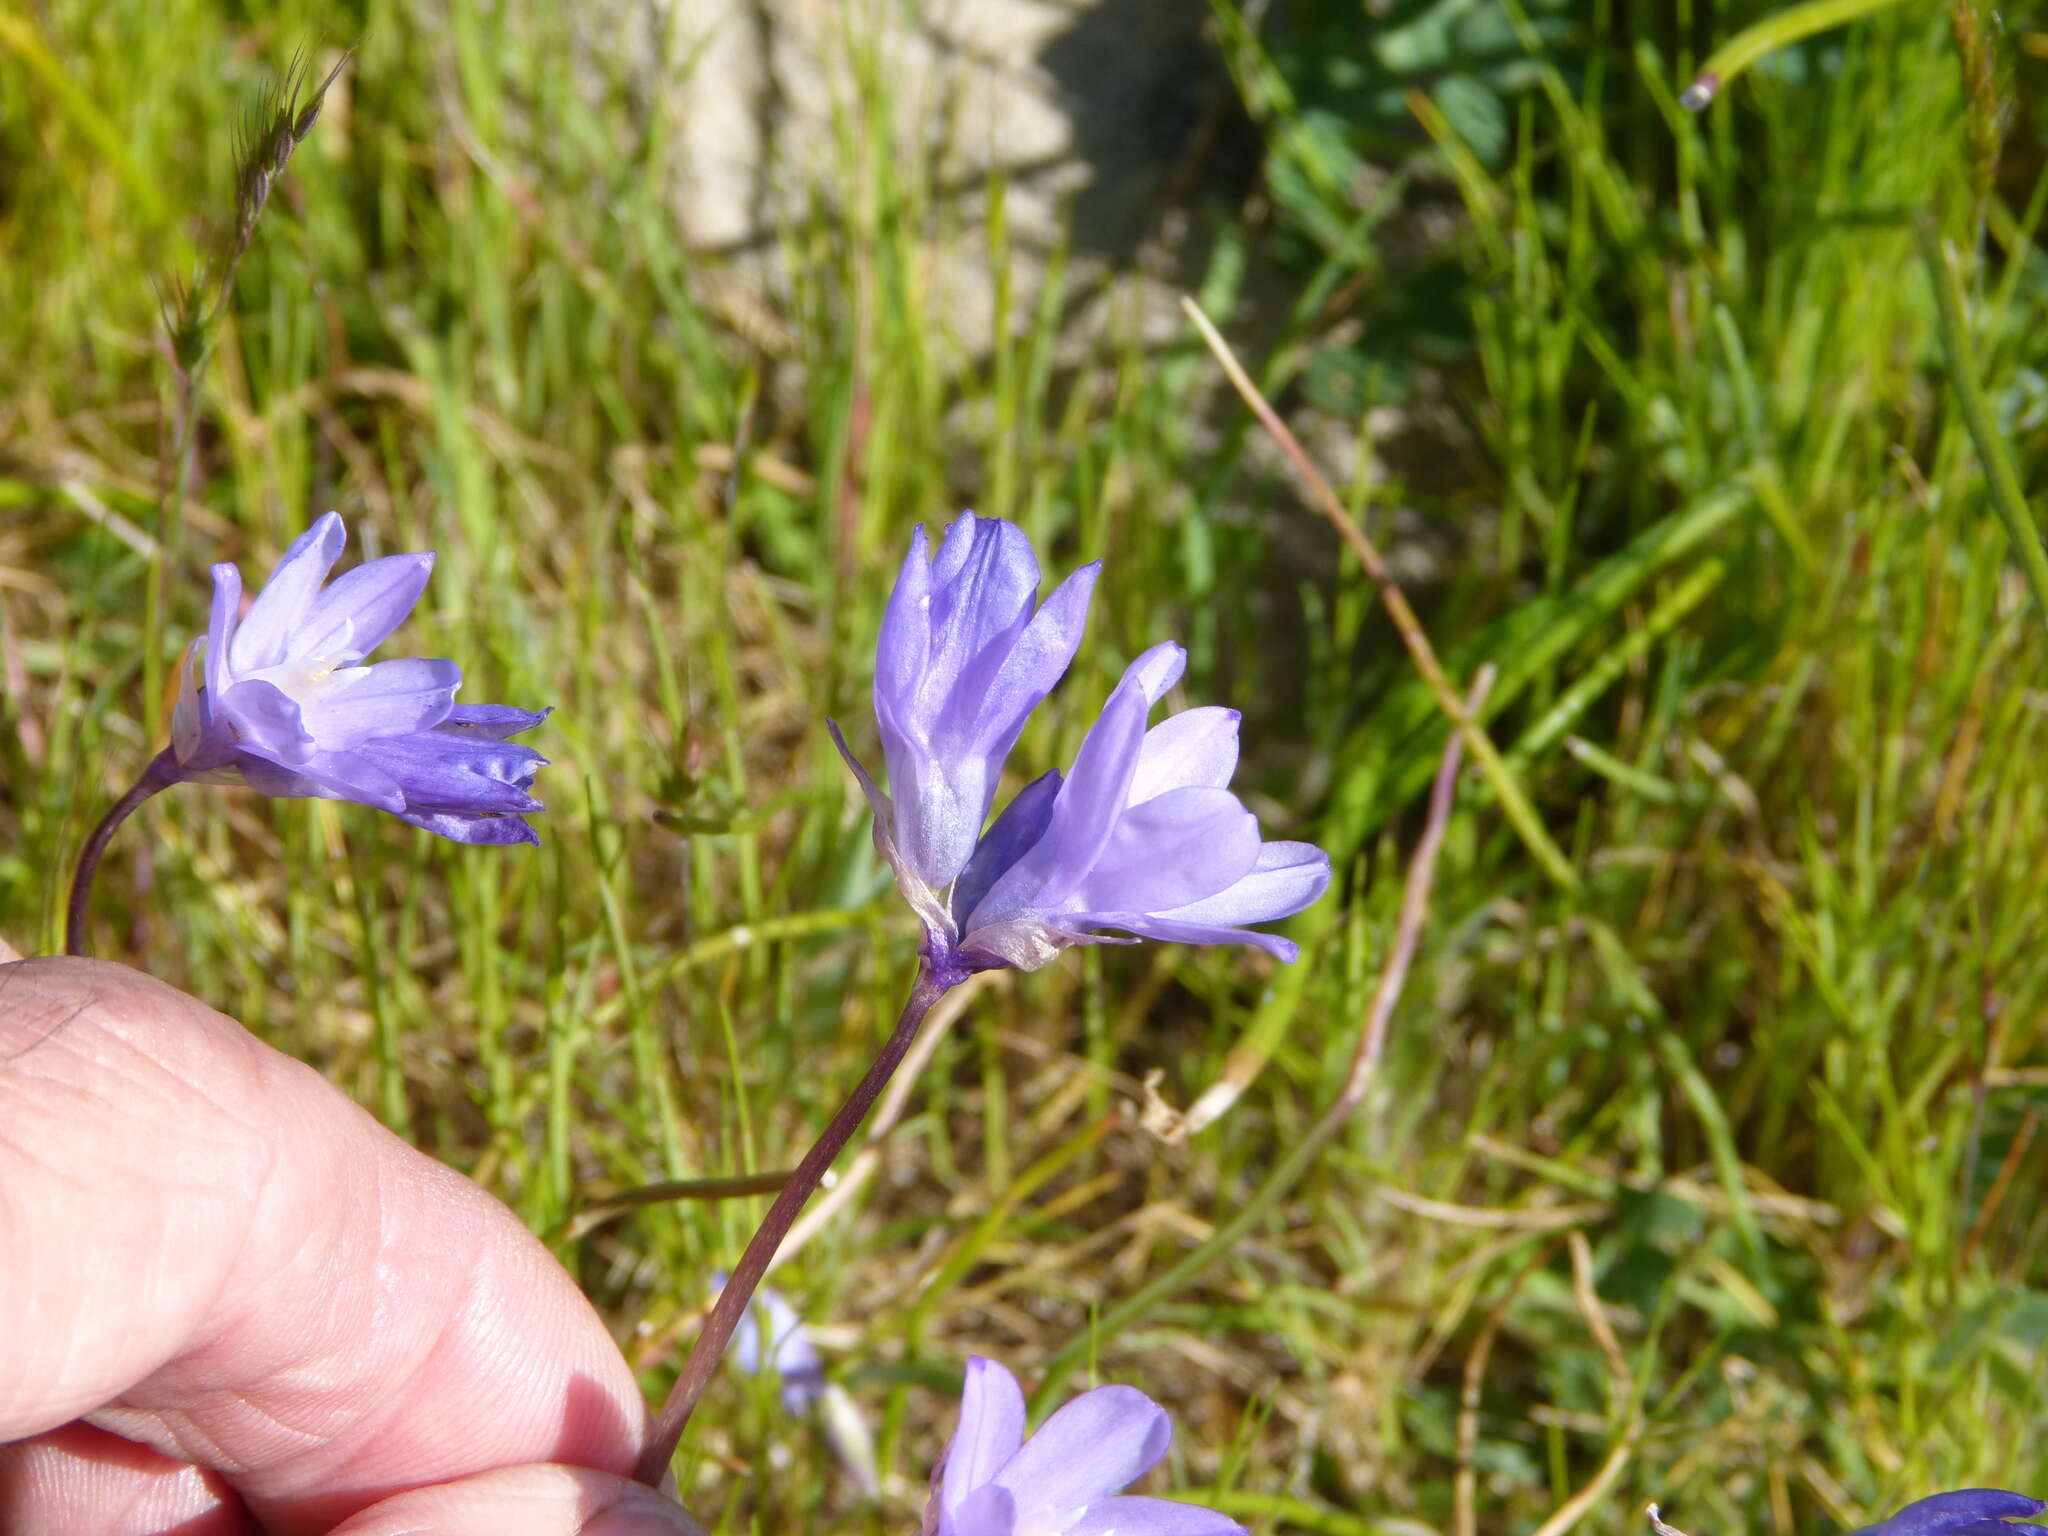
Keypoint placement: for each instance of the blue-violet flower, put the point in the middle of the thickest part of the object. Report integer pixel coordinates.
(279, 699)
(1066, 1480)
(965, 654)
(1965, 1512)
(1143, 836)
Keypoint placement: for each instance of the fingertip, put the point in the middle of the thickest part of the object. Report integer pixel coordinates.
(535, 1500)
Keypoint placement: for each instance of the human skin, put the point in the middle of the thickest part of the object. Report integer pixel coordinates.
(232, 1302)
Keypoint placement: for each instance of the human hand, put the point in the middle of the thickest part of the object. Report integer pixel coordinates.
(231, 1302)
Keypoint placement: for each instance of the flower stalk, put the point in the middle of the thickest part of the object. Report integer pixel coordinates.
(723, 1320)
(161, 773)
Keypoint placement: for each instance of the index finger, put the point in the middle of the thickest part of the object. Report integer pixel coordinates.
(214, 1253)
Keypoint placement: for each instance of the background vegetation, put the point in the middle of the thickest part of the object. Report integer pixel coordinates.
(1652, 411)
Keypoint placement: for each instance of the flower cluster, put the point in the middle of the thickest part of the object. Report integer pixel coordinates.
(1141, 837)
(279, 698)
(1067, 1480)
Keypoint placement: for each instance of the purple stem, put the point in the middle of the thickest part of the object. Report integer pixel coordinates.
(161, 773)
(746, 1275)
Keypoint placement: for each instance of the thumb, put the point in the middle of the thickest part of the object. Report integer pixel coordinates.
(543, 1499)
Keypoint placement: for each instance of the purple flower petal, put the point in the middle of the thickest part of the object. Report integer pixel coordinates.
(390, 698)
(496, 721)
(1286, 878)
(360, 608)
(1151, 1517)
(990, 1431)
(1096, 1445)
(263, 638)
(328, 776)
(961, 661)
(1174, 849)
(1953, 1514)
(1012, 835)
(981, 603)
(1197, 747)
(1173, 931)
(1038, 659)
(446, 771)
(220, 628)
(278, 781)
(282, 710)
(903, 647)
(1090, 800)
(266, 720)
(458, 827)
(988, 1511)
(1157, 670)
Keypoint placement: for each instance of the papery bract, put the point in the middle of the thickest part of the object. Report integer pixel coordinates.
(1964, 1512)
(1067, 1480)
(280, 699)
(1142, 835)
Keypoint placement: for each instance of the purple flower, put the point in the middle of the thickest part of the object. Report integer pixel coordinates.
(1965, 1512)
(1065, 1482)
(279, 699)
(1142, 835)
(789, 1350)
(965, 655)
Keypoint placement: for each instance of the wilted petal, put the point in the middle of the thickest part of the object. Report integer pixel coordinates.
(358, 611)
(1013, 834)
(1285, 878)
(1958, 1513)
(1195, 748)
(389, 699)
(990, 1431)
(1174, 849)
(263, 638)
(1151, 1517)
(1096, 1445)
